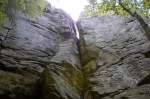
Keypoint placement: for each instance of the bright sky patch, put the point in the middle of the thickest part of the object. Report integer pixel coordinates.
(72, 7)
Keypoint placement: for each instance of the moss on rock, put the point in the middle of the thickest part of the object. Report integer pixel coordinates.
(15, 86)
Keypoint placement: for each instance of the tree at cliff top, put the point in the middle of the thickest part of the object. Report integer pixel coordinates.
(8, 8)
(138, 17)
(135, 8)
(112, 7)
(93, 7)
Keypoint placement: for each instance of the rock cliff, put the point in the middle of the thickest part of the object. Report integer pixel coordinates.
(41, 58)
(29, 46)
(123, 56)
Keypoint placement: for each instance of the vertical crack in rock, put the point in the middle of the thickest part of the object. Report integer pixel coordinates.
(88, 62)
(42, 58)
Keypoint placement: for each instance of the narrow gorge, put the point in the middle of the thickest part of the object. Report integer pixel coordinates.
(41, 58)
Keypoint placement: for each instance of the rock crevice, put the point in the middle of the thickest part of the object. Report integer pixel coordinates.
(41, 58)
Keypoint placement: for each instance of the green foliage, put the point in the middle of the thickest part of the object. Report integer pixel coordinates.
(3, 16)
(147, 4)
(8, 8)
(137, 6)
(91, 9)
(111, 7)
(31, 7)
(88, 11)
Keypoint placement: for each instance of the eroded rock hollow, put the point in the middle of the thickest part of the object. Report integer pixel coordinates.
(41, 58)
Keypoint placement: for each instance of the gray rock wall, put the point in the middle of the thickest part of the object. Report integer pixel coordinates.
(41, 58)
(30, 45)
(122, 63)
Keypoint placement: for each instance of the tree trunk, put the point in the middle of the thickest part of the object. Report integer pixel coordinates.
(139, 19)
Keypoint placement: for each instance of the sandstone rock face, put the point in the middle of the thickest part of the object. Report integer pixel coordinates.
(122, 63)
(28, 45)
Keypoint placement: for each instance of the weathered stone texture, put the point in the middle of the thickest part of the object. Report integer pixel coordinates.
(28, 45)
(41, 58)
(123, 60)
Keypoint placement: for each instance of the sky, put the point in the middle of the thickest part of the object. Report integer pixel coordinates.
(72, 7)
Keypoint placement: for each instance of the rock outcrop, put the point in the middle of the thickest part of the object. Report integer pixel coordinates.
(41, 58)
(28, 46)
(123, 56)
